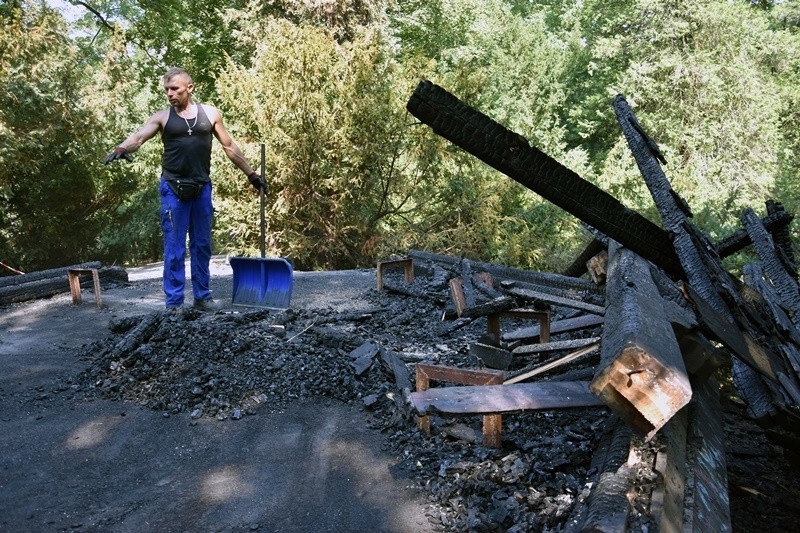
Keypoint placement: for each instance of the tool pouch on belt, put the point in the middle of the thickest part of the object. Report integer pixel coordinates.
(185, 190)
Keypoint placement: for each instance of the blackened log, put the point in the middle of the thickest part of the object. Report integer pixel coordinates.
(764, 246)
(578, 267)
(61, 272)
(607, 506)
(51, 286)
(667, 499)
(641, 375)
(739, 240)
(782, 238)
(139, 335)
(499, 272)
(510, 153)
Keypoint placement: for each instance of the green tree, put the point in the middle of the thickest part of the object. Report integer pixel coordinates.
(47, 160)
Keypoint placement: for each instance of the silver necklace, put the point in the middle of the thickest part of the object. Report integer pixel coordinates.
(193, 125)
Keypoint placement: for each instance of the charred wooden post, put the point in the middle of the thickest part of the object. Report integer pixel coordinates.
(764, 246)
(511, 154)
(776, 223)
(641, 376)
(782, 238)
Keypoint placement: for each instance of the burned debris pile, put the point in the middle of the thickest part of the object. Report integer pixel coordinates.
(673, 315)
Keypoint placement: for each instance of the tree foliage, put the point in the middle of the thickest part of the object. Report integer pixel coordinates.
(352, 177)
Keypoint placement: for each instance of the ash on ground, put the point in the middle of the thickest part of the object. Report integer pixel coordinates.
(233, 364)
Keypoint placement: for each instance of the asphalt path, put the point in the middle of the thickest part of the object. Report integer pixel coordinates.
(68, 464)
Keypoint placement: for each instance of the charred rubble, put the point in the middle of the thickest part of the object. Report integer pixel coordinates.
(644, 389)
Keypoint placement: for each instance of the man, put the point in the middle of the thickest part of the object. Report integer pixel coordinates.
(186, 128)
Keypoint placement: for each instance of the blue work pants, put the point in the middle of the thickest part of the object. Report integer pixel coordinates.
(180, 218)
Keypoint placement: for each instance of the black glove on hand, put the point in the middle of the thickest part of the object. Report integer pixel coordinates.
(257, 181)
(118, 153)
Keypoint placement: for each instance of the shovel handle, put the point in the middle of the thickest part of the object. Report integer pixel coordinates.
(263, 200)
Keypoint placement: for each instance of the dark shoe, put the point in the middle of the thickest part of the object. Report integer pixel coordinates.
(208, 306)
(175, 310)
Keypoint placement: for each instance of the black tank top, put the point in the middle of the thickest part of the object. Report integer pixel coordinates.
(187, 156)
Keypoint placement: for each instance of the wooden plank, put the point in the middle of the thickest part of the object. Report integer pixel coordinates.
(641, 376)
(556, 300)
(597, 267)
(506, 399)
(543, 347)
(557, 326)
(553, 364)
(666, 502)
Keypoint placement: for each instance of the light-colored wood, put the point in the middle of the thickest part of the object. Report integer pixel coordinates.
(641, 376)
(406, 263)
(553, 364)
(74, 274)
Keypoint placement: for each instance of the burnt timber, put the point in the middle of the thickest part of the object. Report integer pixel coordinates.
(752, 323)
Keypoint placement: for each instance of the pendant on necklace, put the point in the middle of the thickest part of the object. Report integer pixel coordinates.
(190, 131)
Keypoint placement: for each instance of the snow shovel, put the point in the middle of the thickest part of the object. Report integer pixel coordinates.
(262, 282)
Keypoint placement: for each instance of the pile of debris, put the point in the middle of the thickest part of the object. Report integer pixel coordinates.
(522, 400)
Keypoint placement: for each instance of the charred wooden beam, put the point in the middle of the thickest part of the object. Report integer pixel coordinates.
(607, 507)
(503, 273)
(33, 287)
(782, 238)
(776, 222)
(784, 283)
(641, 376)
(510, 153)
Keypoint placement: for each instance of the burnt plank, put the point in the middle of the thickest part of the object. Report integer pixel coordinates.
(511, 154)
(558, 326)
(556, 300)
(487, 399)
(641, 375)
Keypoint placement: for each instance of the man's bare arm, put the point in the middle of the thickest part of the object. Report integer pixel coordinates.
(145, 133)
(232, 150)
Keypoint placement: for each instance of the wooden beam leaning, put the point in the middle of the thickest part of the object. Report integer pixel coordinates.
(704, 271)
(511, 154)
(641, 376)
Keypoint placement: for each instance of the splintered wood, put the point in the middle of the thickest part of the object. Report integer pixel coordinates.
(641, 376)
